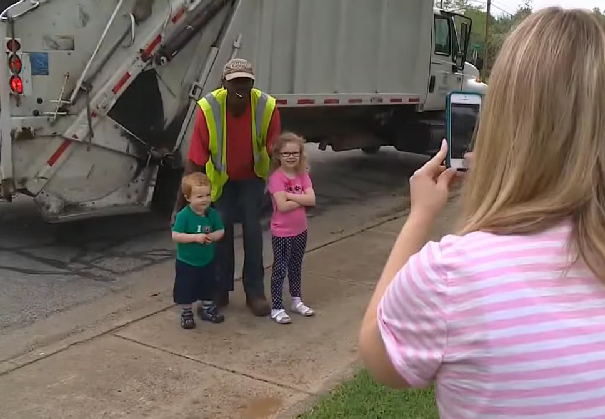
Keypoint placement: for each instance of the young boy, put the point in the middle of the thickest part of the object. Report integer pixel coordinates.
(196, 228)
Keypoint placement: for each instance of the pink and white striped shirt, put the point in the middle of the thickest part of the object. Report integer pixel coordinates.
(506, 326)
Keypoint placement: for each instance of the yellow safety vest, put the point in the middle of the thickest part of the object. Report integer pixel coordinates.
(214, 106)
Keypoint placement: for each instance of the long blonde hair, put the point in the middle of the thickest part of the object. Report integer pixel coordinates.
(278, 145)
(540, 148)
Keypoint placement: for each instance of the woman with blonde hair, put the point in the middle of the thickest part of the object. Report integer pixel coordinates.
(508, 316)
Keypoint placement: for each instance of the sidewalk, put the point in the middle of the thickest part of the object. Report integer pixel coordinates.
(247, 367)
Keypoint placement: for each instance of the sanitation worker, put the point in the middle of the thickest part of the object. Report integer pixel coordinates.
(231, 143)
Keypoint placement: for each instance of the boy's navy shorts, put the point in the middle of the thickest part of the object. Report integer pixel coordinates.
(194, 283)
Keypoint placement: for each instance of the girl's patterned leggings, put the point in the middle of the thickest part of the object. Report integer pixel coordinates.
(288, 253)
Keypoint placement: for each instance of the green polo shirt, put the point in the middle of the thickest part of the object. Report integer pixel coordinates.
(187, 221)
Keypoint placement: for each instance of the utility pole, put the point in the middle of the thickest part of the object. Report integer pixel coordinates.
(487, 21)
(441, 7)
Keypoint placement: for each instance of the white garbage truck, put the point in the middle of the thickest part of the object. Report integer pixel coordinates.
(98, 97)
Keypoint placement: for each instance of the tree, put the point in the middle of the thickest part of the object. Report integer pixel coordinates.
(458, 5)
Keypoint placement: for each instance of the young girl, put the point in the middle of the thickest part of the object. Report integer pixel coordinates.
(508, 316)
(291, 192)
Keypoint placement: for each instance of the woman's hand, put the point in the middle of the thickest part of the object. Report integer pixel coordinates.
(430, 186)
(469, 159)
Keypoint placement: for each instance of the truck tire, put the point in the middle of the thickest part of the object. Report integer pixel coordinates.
(371, 150)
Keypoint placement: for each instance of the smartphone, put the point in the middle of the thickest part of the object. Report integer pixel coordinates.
(462, 116)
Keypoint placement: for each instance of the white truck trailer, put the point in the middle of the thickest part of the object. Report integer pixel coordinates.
(98, 97)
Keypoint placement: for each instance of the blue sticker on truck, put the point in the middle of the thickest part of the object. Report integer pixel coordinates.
(39, 63)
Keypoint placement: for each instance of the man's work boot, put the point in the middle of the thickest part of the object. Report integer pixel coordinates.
(258, 306)
(222, 299)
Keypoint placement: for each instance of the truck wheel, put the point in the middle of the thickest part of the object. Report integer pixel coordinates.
(371, 150)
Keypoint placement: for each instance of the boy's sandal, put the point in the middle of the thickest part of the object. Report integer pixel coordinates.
(282, 317)
(303, 310)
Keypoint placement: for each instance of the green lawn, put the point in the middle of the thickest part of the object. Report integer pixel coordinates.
(361, 398)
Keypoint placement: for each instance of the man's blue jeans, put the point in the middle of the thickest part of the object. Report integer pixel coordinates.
(242, 200)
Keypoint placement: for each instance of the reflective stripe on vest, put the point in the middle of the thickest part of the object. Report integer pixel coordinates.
(218, 124)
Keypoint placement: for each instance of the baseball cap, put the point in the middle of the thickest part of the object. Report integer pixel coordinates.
(238, 68)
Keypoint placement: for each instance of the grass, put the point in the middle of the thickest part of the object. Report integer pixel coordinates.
(361, 398)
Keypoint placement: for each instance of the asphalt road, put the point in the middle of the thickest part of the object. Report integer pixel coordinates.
(48, 268)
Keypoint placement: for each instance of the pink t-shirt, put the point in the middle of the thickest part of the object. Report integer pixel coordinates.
(292, 223)
(504, 325)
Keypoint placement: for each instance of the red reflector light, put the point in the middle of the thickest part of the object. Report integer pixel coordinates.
(14, 63)
(145, 55)
(306, 101)
(178, 15)
(13, 45)
(120, 83)
(16, 85)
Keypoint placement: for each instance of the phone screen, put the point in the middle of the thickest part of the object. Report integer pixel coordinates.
(463, 122)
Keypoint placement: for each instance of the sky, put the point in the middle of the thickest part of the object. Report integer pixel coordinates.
(511, 5)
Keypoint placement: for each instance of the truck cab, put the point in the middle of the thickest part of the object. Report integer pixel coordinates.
(449, 69)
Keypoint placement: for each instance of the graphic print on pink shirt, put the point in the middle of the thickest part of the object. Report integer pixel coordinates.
(288, 224)
(503, 325)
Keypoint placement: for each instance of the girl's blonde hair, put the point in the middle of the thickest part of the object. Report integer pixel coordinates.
(278, 145)
(540, 148)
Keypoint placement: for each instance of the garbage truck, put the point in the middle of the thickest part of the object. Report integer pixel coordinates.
(98, 98)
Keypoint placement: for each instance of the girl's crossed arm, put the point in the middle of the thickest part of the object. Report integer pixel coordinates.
(284, 204)
(306, 199)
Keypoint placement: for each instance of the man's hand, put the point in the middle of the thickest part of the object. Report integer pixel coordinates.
(202, 238)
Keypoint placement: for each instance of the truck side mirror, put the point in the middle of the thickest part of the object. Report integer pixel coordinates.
(460, 60)
(464, 41)
(465, 34)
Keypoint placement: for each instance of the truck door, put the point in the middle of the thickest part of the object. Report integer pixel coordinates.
(443, 77)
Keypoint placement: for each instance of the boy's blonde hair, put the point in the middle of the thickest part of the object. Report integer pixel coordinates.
(540, 148)
(193, 180)
(278, 145)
